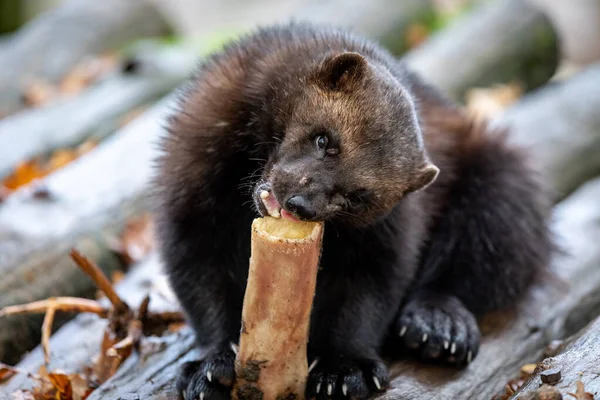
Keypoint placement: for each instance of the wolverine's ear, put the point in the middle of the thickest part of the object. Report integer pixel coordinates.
(424, 177)
(341, 71)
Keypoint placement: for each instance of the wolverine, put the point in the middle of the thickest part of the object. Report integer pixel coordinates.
(431, 218)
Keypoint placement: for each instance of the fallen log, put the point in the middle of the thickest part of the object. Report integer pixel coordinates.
(577, 362)
(555, 308)
(89, 202)
(97, 112)
(498, 42)
(560, 124)
(50, 45)
(384, 20)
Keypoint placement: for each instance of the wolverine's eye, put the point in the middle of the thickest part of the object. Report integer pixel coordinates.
(321, 142)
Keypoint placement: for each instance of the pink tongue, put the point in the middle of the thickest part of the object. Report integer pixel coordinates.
(288, 215)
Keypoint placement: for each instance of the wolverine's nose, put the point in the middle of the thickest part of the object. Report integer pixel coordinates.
(300, 206)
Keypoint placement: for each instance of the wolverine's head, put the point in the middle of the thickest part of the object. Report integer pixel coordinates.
(350, 145)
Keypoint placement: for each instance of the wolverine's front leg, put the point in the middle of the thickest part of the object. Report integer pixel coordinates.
(209, 280)
(350, 317)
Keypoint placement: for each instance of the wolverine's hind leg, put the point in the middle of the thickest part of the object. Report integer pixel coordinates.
(485, 248)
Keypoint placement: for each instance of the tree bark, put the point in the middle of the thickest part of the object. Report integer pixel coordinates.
(50, 45)
(498, 42)
(90, 200)
(577, 362)
(97, 112)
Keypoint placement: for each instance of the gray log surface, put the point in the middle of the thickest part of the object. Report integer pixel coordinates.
(50, 45)
(577, 361)
(498, 42)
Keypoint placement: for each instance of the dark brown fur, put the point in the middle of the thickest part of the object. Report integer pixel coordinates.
(410, 256)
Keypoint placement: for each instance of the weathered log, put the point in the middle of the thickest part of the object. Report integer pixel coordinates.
(97, 112)
(554, 309)
(578, 361)
(561, 126)
(90, 200)
(384, 20)
(50, 45)
(498, 42)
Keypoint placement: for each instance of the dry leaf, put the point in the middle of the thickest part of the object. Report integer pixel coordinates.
(528, 369)
(62, 385)
(117, 276)
(24, 173)
(137, 239)
(6, 372)
(86, 72)
(490, 102)
(29, 171)
(59, 159)
(4, 192)
(581, 394)
(37, 93)
(415, 34)
(80, 386)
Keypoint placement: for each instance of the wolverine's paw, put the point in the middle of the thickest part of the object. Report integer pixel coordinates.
(439, 327)
(208, 379)
(348, 379)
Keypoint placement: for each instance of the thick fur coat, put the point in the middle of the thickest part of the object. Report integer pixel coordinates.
(431, 219)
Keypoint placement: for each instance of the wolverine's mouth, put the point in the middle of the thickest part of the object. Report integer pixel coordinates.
(267, 203)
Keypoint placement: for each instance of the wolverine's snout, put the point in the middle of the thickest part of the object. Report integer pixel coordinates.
(301, 206)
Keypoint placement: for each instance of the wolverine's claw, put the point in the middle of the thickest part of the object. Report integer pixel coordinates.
(234, 347)
(209, 376)
(403, 330)
(318, 387)
(469, 357)
(345, 389)
(424, 338)
(377, 384)
(313, 365)
(453, 348)
(446, 345)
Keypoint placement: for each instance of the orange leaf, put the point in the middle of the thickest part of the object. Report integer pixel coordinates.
(60, 158)
(62, 384)
(6, 372)
(137, 239)
(24, 173)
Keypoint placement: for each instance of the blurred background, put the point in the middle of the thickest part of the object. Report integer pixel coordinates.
(85, 86)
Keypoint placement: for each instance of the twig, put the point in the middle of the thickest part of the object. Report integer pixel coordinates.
(100, 280)
(47, 330)
(65, 304)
